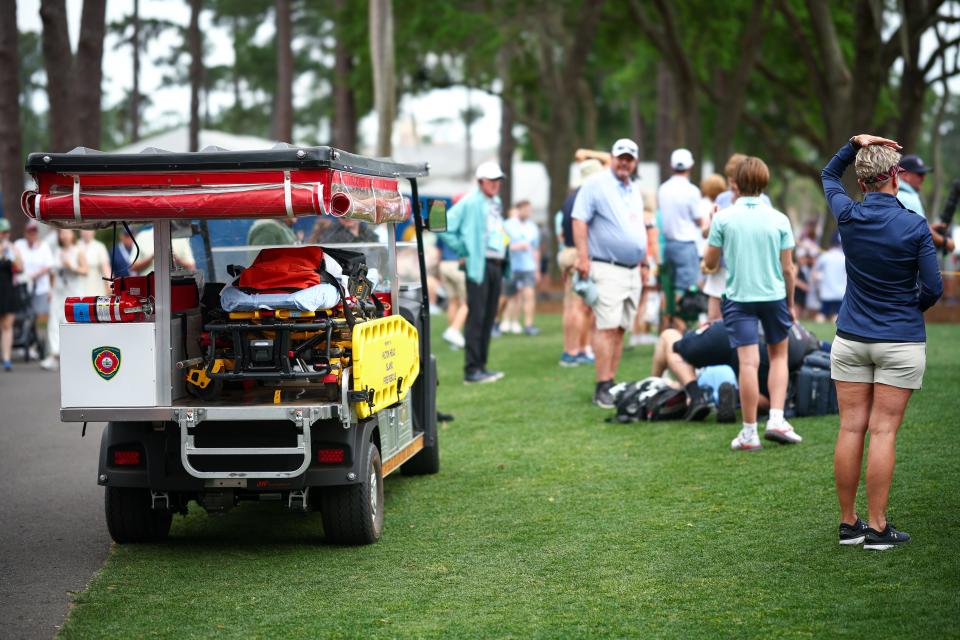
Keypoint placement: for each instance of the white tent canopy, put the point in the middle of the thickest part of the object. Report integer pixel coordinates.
(178, 141)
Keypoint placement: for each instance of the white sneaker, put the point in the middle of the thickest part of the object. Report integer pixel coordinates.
(515, 328)
(454, 338)
(782, 433)
(746, 444)
(49, 363)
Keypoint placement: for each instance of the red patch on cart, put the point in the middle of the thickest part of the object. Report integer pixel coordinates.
(106, 361)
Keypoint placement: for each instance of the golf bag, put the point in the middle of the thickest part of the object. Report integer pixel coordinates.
(648, 400)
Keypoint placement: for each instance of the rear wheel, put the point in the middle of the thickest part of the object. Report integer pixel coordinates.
(130, 518)
(354, 514)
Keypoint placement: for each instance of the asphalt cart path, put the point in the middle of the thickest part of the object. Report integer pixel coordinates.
(53, 537)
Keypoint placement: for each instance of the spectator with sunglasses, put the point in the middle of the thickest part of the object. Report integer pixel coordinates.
(879, 354)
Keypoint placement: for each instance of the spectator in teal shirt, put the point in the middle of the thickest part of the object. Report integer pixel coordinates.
(475, 233)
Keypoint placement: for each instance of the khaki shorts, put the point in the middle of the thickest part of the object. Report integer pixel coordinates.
(898, 364)
(454, 280)
(618, 290)
(565, 260)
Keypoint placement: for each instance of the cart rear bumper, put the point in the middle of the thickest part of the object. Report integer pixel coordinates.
(158, 451)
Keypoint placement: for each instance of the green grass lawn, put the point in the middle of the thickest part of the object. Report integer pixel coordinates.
(546, 521)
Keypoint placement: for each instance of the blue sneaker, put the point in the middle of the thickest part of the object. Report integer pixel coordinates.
(567, 360)
(495, 332)
(586, 358)
(7, 365)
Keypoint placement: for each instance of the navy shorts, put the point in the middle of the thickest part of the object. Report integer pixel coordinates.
(740, 319)
(830, 307)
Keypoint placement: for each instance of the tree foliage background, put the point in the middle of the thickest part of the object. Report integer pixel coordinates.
(788, 80)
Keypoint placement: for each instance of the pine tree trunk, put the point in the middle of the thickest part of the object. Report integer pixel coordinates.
(135, 94)
(283, 105)
(11, 160)
(665, 140)
(468, 139)
(508, 145)
(73, 82)
(344, 125)
(384, 72)
(637, 126)
(235, 70)
(58, 62)
(196, 72)
(88, 73)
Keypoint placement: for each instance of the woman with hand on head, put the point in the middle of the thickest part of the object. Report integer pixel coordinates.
(879, 354)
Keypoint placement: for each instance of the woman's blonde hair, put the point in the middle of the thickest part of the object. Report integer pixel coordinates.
(713, 185)
(874, 165)
(752, 176)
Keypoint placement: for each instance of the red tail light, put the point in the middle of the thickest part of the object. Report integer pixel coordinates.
(331, 456)
(126, 458)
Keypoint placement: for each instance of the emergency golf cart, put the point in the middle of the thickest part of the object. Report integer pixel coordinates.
(218, 392)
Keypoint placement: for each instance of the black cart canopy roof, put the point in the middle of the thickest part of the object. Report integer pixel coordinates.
(86, 186)
(282, 156)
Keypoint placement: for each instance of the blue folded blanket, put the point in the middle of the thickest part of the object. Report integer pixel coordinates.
(321, 296)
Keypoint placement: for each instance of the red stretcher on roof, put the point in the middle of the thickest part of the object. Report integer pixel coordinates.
(84, 186)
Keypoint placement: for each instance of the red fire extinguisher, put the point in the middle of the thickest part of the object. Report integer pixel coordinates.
(119, 308)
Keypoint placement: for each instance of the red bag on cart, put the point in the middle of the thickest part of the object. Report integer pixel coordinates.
(283, 270)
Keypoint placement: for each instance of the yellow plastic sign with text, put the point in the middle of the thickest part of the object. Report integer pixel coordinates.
(386, 360)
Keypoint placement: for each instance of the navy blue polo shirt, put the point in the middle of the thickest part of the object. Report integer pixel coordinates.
(892, 270)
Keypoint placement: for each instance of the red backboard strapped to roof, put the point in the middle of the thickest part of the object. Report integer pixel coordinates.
(100, 187)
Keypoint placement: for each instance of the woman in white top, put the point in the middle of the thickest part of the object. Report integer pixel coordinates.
(98, 265)
(69, 269)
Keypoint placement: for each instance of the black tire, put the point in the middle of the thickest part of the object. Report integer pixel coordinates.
(426, 462)
(354, 514)
(131, 520)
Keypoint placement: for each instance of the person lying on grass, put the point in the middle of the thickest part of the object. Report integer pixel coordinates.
(708, 347)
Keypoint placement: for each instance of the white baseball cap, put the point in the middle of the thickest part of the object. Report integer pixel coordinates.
(489, 171)
(681, 159)
(625, 146)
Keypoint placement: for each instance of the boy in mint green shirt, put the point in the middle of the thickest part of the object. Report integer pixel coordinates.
(752, 235)
(757, 243)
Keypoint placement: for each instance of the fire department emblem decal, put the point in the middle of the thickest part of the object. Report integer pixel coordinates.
(106, 361)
